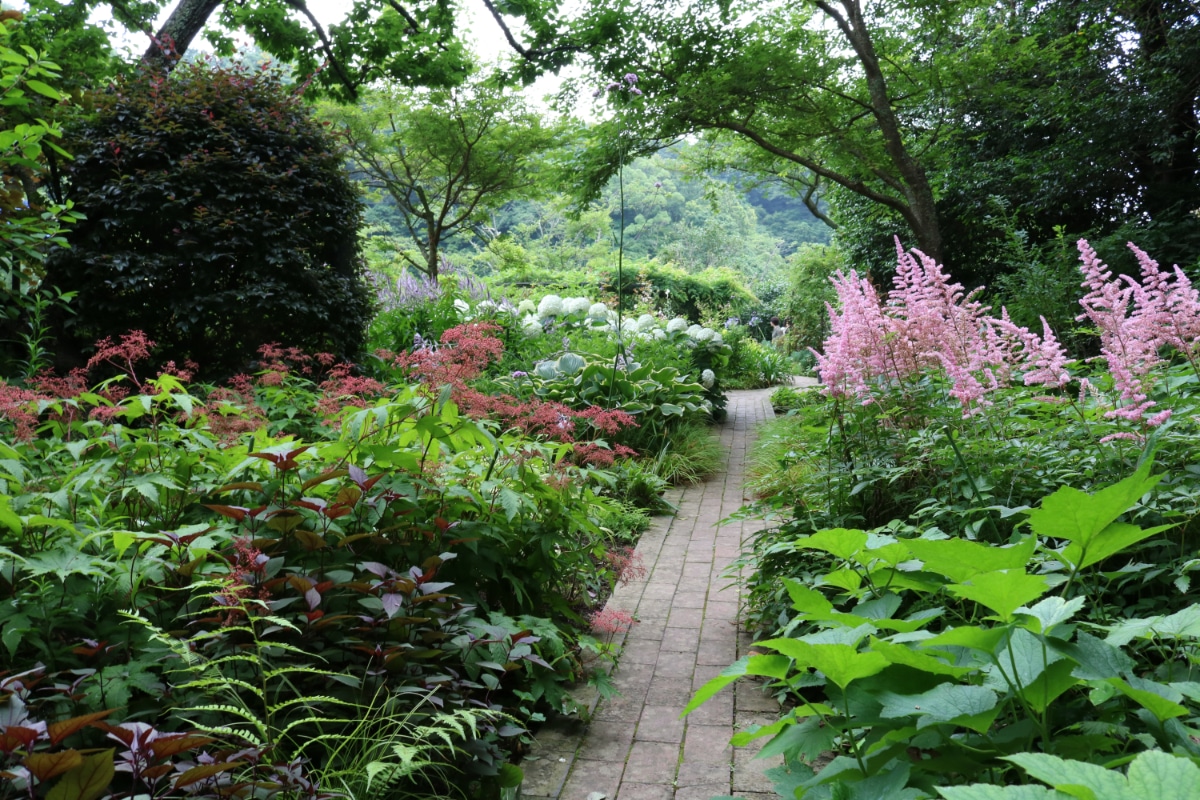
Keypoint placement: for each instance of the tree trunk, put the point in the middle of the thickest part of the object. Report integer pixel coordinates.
(177, 33)
(922, 212)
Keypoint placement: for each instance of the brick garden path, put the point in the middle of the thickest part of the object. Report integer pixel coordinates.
(636, 746)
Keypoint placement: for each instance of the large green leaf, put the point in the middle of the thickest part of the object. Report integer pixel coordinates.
(1078, 516)
(1095, 658)
(844, 543)
(766, 666)
(945, 702)
(1155, 775)
(983, 791)
(959, 559)
(902, 654)
(1088, 521)
(841, 663)
(1051, 611)
(1160, 700)
(1067, 775)
(1003, 592)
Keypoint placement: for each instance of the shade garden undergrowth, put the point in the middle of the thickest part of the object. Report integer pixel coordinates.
(320, 579)
(978, 581)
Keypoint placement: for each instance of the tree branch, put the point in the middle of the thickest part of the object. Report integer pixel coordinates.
(302, 7)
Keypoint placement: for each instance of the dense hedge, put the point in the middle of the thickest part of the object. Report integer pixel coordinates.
(219, 218)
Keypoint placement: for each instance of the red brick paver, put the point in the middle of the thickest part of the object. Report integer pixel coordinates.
(637, 746)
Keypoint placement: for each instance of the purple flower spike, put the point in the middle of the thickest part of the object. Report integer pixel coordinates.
(630, 78)
(636, 91)
(612, 87)
(598, 92)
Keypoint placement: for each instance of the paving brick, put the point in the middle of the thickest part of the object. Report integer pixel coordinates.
(682, 640)
(708, 744)
(652, 762)
(644, 791)
(675, 665)
(692, 775)
(637, 747)
(660, 724)
(592, 776)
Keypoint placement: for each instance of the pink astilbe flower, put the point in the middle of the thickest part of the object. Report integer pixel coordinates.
(626, 563)
(610, 621)
(856, 352)
(930, 323)
(1169, 304)
(1129, 323)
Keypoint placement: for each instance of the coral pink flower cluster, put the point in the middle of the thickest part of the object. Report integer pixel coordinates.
(927, 323)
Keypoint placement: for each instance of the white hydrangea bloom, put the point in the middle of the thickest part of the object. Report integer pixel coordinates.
(717, 338)
(598, 311)
(705, 334)
(461, 306)
(645, 322)
(485, 305)
(659, 333)
(693, 331)
(707, 378)
(551, 306)
(526, 307)
(531, 329)
(676, 325)
(573, 305)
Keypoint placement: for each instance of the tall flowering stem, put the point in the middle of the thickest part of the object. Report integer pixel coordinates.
(622, 92)
(1137, 321)
(928, 323)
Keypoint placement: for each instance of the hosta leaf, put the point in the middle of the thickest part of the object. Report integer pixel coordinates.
(1003, 592)
(959, 559)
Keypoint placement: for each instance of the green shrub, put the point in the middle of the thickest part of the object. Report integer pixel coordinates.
(220, 217)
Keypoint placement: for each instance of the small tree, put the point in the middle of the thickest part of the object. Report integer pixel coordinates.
(446, 158)
(219, 218)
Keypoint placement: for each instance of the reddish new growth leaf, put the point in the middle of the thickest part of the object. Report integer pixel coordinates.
(342, 389)
(466, 351)
(133, 349)
(246, 571)
(19, 407)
